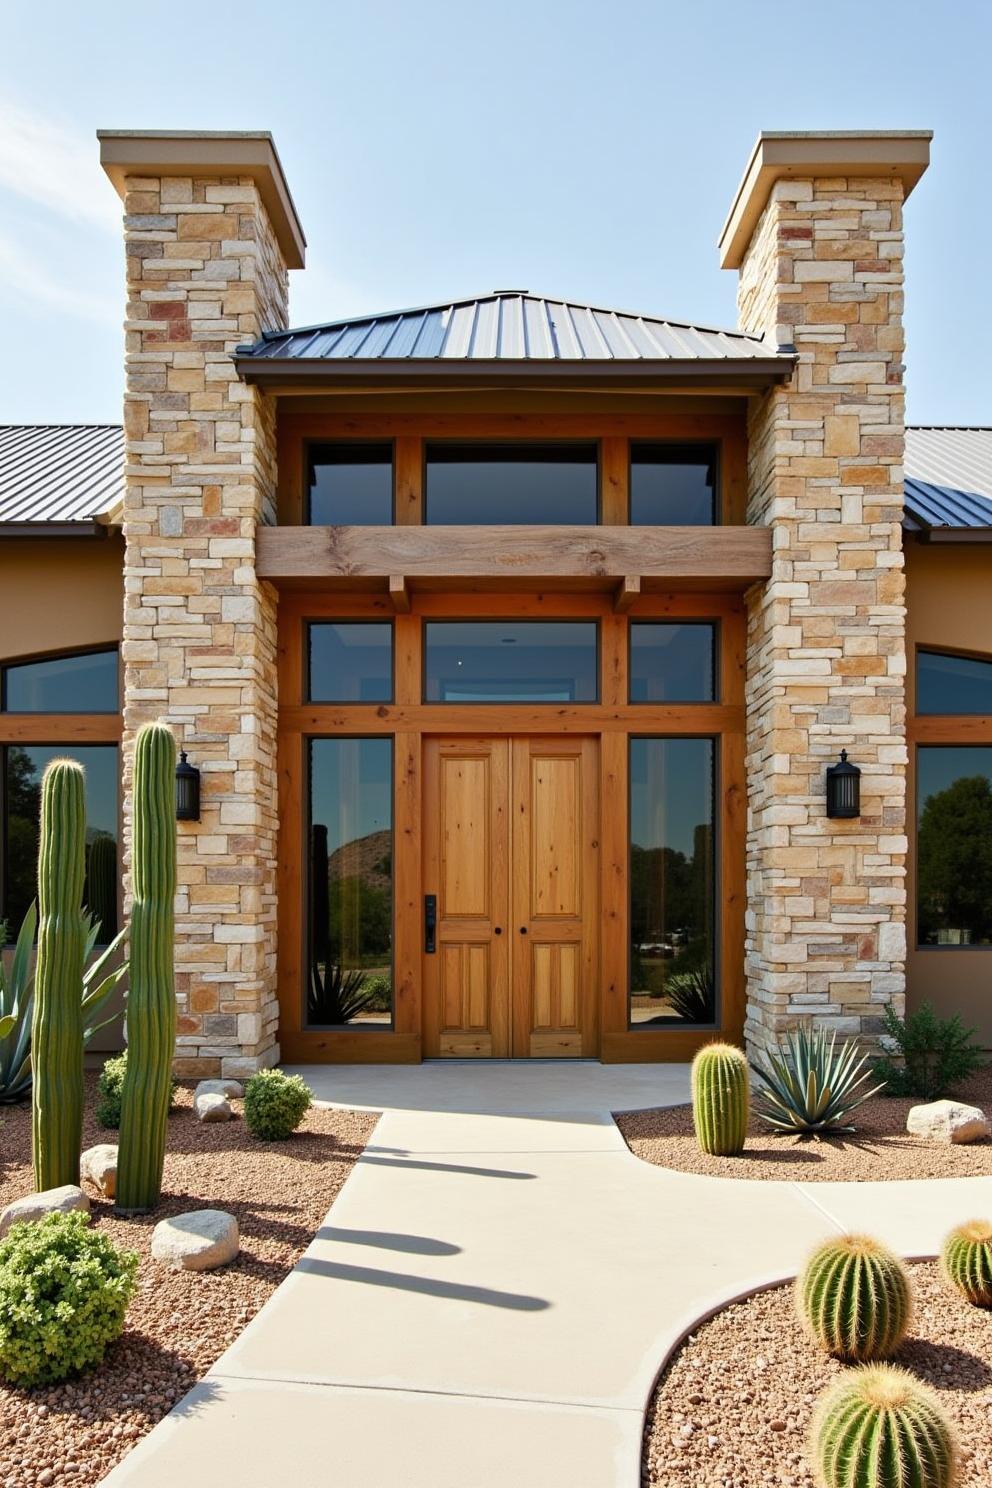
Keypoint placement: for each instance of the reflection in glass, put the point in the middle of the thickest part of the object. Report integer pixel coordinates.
(23, 769)
(511, 661)
(672, 485)
(350, 661)
(63, 684)
(671, 662)
(952, 684)
(350, 883)
(954, 845)
(672, 883)
(507, 484)
(350, 485)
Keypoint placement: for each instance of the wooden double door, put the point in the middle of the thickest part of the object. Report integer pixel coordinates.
(511, 907)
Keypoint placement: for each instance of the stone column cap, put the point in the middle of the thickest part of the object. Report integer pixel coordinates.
(828, 152)
(209, 152)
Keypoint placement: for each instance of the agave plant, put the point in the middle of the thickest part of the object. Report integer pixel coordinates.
(336, 995)
(692, 994)
(17, 997)
(809, 1085)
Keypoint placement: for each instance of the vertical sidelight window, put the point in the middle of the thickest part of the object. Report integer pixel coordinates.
(673, 969)
(954, 845)
(673, 485)
(350, 883)
(350, 485)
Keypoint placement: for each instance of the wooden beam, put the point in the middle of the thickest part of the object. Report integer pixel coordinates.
(399, 594)
(628, 590)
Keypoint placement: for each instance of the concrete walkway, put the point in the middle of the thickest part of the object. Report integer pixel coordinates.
(490, 1297)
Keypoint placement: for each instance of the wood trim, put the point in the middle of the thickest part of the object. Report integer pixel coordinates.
(407, 883)
(627, 594)
(654, 1046)
(518, 718)
(614, 480)
(61, 728)
(399, 594)
(949, 728)
(346, 1046)
(408, 480)
(323, 421)
(290, 879)
(614, 909)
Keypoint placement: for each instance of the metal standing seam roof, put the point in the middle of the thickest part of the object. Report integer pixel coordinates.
(948, 482)
(52, 473)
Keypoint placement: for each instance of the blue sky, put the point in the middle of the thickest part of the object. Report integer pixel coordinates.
(443, 147)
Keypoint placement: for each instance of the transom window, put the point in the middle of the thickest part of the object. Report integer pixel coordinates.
(672, 661)
(350, 661)
(82, 683)
(350, 485)
(511, 661)
(673, 485)
(509, 484)
(946, 683)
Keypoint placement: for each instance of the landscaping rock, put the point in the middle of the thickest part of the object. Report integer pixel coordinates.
(198, 1241)
(212, 1107)
(232, 1089)
(949, 1121)
(99, 1165)
(36, 1206)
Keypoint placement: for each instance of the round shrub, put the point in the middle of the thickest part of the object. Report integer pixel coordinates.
(966, 1261)
(110, 1083)
(879, 1428)
(64, 1290)
(275, 1104)
(854, 1297)
(379, 991)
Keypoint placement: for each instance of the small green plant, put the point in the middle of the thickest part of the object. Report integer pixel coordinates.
(692, 994)
(379, 991)
(934, 1054)
(966, 1261)
(854, 1298)
(64, 1290)
(878, 1427)
(109, 1085)
(809, 1085)
(275, 1104)
(720, 1099)
(335, 995)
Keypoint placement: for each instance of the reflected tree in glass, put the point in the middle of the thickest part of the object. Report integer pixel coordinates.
(954, 864)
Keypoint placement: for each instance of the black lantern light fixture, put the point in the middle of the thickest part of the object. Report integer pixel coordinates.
(187, 790)
(843, 788)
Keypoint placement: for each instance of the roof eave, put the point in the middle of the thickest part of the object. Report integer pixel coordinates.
(94, 527)
(954, 535)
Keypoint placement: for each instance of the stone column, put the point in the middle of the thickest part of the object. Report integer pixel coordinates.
(816, 232)
(210, 232)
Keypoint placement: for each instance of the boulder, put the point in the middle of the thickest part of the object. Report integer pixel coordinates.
(198, 1241)
(99, 1165)
(36, 1206)
(229, 1088)
(212, 1107)
(949, 1121)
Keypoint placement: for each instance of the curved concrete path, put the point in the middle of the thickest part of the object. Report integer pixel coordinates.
(494, 1289)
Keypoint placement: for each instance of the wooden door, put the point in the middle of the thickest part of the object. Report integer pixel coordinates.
(511, 854)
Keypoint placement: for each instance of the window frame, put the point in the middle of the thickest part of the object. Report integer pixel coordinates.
(715, 660)
(426, 620)
(713, 445)
(68, 654)
(313, 440)
(428, 443)
(348, 702)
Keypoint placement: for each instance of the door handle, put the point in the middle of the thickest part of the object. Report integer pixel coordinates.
(430, 923)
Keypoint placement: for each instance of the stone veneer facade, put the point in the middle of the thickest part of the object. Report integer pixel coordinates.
(826, 636)
(204, 273)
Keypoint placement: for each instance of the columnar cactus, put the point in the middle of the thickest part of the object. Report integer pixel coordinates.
(854, 1297)
(151, 1002)
(101, 885)
(57, 1022)
(966, 1261)
(720, 1099)
(879, 1428)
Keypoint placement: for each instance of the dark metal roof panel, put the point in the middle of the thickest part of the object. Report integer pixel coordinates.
(948, 481)
(60, 472)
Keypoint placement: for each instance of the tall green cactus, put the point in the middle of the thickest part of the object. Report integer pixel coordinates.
(966, 1261)
(854, 1297)
(879, 1428)
(101, 885)
(720, 1099)
(57, 1022)
(151, 1001)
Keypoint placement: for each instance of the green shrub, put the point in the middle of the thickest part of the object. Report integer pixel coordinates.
(854, 1298)
(880, 1428)
(275, 1104)
(64, 1290)
(110, 1084)
(936, 1054)
(809, 1085)
(379, 990)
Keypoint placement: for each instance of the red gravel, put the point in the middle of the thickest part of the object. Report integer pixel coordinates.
(881, 1148)
(733, 1408)
(179, 1322)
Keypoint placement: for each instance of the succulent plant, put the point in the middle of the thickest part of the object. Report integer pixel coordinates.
(151, 1003)
(879, 1428)
(809, 1085)
(966, 1261)
(854, 1297)
(692, 994)
(720, 1099)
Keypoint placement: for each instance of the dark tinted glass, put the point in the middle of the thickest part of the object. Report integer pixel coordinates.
(24, 766)
(510, 661)
(350, 662)
(672, 485)
(954, 845)
(350, 883)
(952, 684)
(63, 684)
(506, 484)
(351, 485)
(671, 663)
(672, 883)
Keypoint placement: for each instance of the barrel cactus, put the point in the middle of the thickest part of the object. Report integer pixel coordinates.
(57, 1021)
(151, 1003)
(966, 1261)
(854, 1297)
(879, 1428)
(720, 1099)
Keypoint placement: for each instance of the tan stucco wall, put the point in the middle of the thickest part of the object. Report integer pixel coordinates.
(949, 598)
(60, 595)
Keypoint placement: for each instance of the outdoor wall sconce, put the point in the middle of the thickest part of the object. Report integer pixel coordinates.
(843, 788)
(187, 790)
